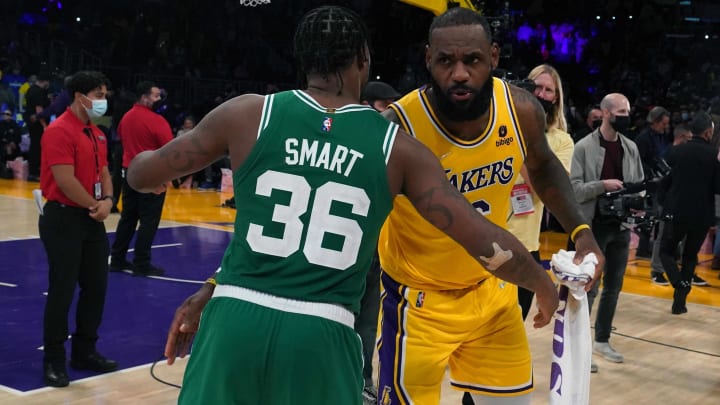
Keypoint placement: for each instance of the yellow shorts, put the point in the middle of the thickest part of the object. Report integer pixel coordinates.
(478, 332)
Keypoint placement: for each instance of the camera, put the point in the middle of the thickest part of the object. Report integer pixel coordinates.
(628, 206)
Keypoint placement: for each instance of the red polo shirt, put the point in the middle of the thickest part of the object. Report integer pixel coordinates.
(68, 141)
(142, 129)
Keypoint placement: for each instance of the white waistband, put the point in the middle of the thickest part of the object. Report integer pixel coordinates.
(332, 312)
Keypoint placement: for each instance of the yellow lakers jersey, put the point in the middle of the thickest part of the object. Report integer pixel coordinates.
(414, 252)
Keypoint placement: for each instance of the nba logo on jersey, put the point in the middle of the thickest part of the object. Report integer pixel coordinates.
(327, 124)
(420, 299)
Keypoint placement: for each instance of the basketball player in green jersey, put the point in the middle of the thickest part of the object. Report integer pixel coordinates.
(314, 174)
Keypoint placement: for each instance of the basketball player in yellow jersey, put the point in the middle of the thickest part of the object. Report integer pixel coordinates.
(438, 307)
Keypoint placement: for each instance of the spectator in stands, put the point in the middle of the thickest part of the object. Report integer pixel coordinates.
(593, 121)
(10, 137)
(185, 182)
(36, 99)
(57, 106)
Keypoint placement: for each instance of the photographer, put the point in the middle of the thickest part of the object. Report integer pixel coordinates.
(693, 178)
(602, 162)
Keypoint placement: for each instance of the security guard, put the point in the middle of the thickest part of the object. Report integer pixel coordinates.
(75, 180)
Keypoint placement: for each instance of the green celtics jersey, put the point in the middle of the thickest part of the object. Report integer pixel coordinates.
(311, 198)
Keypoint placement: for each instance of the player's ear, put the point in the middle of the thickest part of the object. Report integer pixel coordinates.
(495, 55)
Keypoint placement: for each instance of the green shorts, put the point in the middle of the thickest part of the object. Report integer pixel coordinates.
(245, 353)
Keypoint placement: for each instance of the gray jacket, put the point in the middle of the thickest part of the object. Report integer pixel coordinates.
(587, 163)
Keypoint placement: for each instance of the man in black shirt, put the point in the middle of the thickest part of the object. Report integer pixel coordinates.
(689, 205)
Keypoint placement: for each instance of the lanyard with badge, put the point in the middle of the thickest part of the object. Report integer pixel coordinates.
(521, 199)
(98, 185)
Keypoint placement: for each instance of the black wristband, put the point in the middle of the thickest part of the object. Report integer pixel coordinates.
(109, 197)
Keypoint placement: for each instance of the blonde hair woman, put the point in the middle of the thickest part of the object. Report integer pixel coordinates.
(526, 219)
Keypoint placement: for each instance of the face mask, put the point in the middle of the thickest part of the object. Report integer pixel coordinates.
(98, 109)
(158, 105)
(546, 105)
(621, 123)
(596, 124)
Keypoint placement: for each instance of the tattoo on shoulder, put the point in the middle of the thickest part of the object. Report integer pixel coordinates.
(181, 156)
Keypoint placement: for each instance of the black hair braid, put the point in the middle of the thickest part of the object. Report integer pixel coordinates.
(327, 40)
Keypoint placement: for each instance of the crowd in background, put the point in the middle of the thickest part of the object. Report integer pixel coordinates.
(594, 55)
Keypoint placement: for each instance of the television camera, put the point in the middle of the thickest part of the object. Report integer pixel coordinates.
(636, 204)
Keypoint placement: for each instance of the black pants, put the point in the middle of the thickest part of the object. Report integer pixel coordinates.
(366, 322)
(77, 250)
(117, 171)
(145, 208)
(673, 233)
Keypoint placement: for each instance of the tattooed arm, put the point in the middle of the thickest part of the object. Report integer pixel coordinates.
(415, 172)
(232, 127)
(549, 178)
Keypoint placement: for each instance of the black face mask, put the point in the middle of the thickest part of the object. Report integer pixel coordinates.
(621, 123)
(596, 124)
(547, 106)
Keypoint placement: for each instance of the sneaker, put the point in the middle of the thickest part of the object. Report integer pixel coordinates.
(369, 395)
(604, 349)
(696, 280)
(659, 279)
(593, 367)
(121, 265)
(149, 270)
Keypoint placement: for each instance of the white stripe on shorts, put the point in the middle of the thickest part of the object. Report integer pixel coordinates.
(331, 312)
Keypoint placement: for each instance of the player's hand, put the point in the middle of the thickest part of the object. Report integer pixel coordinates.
(185, 323)
(585, 243)
(547, 303)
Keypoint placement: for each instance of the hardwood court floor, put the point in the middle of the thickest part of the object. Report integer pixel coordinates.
(669, 359)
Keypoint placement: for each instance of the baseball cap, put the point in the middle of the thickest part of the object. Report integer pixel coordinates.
(655, 114)
(379, 91)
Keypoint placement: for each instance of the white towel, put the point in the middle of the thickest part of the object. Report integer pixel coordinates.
(572, 344)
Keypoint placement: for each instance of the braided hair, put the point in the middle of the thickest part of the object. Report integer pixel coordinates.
(327, 40)
(458, 16)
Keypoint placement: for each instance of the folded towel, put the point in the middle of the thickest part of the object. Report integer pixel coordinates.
(572, 275)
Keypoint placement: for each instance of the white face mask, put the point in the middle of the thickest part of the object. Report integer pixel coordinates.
(98, 109)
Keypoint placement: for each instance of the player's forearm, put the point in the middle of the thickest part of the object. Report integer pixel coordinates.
(552, 185)
(509, 260)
